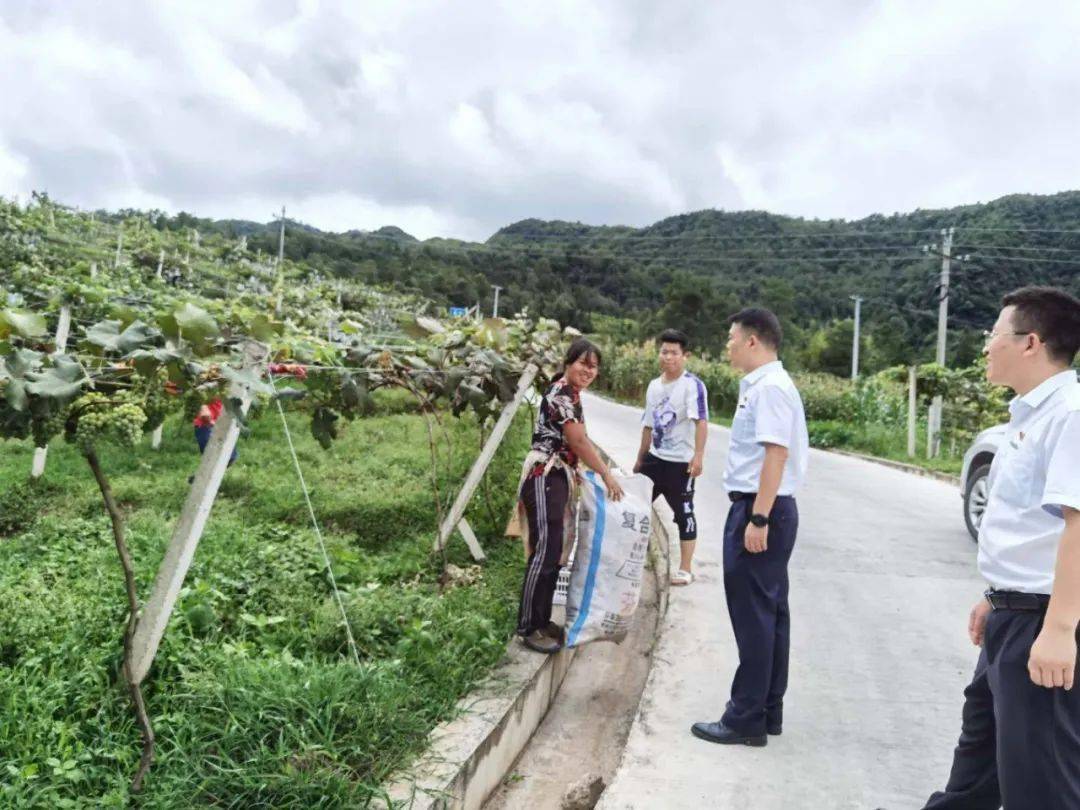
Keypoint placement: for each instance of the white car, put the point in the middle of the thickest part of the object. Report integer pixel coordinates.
(973, 487)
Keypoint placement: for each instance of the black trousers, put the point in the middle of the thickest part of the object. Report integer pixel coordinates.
(672, 480)
(756, 587)
(1020, 743)
(545, 502)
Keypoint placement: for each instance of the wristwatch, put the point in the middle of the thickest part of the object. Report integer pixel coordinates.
(760, 521)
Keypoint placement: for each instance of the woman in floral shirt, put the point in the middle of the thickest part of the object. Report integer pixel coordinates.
(558, 442)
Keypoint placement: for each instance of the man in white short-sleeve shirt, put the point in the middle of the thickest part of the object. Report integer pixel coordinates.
(766, 465)
(674, 429)
(1020, 741)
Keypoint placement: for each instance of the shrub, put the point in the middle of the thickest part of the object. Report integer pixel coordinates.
(20, 504)
(830, 434)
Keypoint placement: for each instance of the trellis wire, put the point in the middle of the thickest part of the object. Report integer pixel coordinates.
(318, 531)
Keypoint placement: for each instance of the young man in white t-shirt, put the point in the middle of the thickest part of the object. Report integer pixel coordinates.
(674, 428)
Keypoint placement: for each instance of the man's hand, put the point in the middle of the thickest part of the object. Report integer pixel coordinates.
(756, 538)
(1053, 657)
(977, 621)
(697, 464)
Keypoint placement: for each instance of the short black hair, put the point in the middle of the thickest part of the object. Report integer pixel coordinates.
(580, 347)
(1050, 313)
(763, 323)
(675, 336)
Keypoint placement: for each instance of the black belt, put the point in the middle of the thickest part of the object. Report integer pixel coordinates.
(1017, 600)
(749, 496)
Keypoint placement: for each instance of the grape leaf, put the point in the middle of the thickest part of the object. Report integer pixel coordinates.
(23, 324)
(107, 335)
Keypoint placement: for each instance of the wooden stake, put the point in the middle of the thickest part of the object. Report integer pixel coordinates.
(456, 517)
(37, 469)
(188, 531)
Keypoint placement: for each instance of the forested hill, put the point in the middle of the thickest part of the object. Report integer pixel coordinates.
(711, 261)
(694, 269)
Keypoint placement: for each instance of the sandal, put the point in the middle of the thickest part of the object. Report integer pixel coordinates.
(681, 577)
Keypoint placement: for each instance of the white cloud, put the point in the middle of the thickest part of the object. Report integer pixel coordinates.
(456, 119)
(13, 171)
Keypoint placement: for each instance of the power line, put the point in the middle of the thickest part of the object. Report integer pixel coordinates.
(974, 246)
(704, 237)
(680, 259)
(1016, 230)
(1029, 259)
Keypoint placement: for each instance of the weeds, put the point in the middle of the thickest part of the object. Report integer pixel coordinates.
(254, 701)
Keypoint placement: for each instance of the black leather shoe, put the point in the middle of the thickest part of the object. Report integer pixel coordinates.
(719, 733)
(555, 630)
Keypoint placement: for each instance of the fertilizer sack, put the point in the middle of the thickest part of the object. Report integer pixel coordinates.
(612, 544)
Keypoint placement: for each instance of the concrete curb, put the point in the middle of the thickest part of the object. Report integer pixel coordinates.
(896, 465)
(468, 757)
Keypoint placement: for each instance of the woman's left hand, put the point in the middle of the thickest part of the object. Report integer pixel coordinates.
(615, 492)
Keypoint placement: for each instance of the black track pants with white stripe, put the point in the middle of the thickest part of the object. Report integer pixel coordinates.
(545, 502)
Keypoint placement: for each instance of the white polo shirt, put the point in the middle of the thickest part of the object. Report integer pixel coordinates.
(770, 411)
(1035, 473)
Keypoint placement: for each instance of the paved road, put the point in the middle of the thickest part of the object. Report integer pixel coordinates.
(882, 578)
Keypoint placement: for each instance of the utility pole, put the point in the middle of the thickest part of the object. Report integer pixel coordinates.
(855, 341)
(281, 238)
(495, 311)
(934, 426)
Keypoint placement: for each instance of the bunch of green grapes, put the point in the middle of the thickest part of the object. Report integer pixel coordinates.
(156, 402)
(193, 401)
(102, 419)
(43, 428)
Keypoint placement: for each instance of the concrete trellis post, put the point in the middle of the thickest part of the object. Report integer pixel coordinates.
(37, 469)
(188, 531)
(912, 411)
(456, 517)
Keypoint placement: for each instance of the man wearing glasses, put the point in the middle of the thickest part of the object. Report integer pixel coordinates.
(1020, 742)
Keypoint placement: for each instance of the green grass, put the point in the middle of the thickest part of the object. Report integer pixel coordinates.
(253, 697)
(882, 441)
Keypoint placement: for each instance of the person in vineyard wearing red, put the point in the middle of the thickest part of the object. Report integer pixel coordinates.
(549, 477)
(210, 412)
(204, 425)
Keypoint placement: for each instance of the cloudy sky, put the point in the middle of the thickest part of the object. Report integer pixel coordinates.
(455, 118)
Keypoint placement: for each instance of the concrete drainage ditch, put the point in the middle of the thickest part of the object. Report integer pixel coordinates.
(514, 745)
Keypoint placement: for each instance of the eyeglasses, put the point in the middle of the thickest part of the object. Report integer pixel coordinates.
(989, 335)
